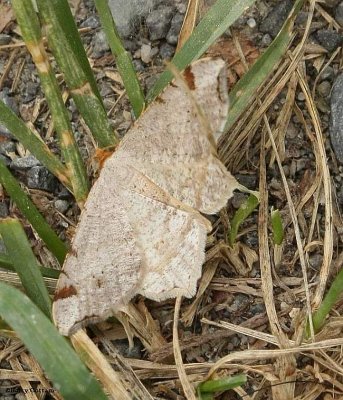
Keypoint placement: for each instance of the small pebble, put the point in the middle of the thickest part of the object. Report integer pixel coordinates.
(266, 40)
(329, 39)
(139, 66)
(146, 53)
(336, 118)
(273, 22)
(22, 163)
(40, 178)
(61, 205)
(100, 44)
(7, 146)
(251, 23)
(91, 22)
(339, 13)
(167, 51)
(328, 74)
(324, 88)
(301, 96)
(158, 22)
(176, 24)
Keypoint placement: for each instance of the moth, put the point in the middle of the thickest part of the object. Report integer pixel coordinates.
(142, 230)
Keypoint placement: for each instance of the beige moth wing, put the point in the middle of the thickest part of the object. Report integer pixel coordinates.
(141, 231)
(170, 145)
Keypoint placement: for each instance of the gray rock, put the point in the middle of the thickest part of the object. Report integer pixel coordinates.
(175, 27)
(167, 51)
(40, 178)
(336, 119)
(8, 397)
(61, 205)
(127, 14)
(273, 22)
(4, 39)
(324, 88)
(100, 44)
(91, 22)
(146, 53)
(339, 13)
(328, 74)
(330, 40)
(3, 209)
(139, 66)
(25, 162)
(7, 147)
(31, 89)
(266, 40)
(158, 22)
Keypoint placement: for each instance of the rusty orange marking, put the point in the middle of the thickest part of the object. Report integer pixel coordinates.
(189, 78)
(65, 292)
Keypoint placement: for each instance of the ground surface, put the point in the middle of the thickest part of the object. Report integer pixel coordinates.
(233, 311)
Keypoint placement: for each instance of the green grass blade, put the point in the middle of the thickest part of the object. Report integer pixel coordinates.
(25, 263)
(247, 207)
(31, 142)
(220, 385)
(220, 16)
(29, 210)
(6, 262)
(61, 364)
(277, 227)
(31, 33)
(122, 57)
(65, 43)
(242, 93)
(332, 296)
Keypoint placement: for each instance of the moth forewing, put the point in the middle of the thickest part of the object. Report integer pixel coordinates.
(141, 230)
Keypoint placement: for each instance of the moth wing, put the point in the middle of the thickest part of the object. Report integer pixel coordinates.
(180, 155)
(171, 235)
(104, 268)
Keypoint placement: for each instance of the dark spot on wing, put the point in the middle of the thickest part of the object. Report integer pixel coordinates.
(189, 78)
(160, 100)
(65, 292)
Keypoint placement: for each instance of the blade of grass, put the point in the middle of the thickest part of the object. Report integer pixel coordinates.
(6, 263)
(65, 43)
(242, 93)
(277, 227)
(29, 210)
(220, 385)
(331, 297)
(31, 33)
(123, 60)
(220, 16)
(51, 350)
(247, 207)
(35, 145)
(25, 263)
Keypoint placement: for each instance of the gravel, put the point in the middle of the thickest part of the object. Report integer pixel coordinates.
(175, 27)
(22, 163)
(339, 13)
(40, 178)
(273, 22)
(330, 40)
(336, 121)
(158, 22)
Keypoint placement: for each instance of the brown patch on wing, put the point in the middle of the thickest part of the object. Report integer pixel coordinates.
(65, 292)
(159, 100)
(189, 78)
